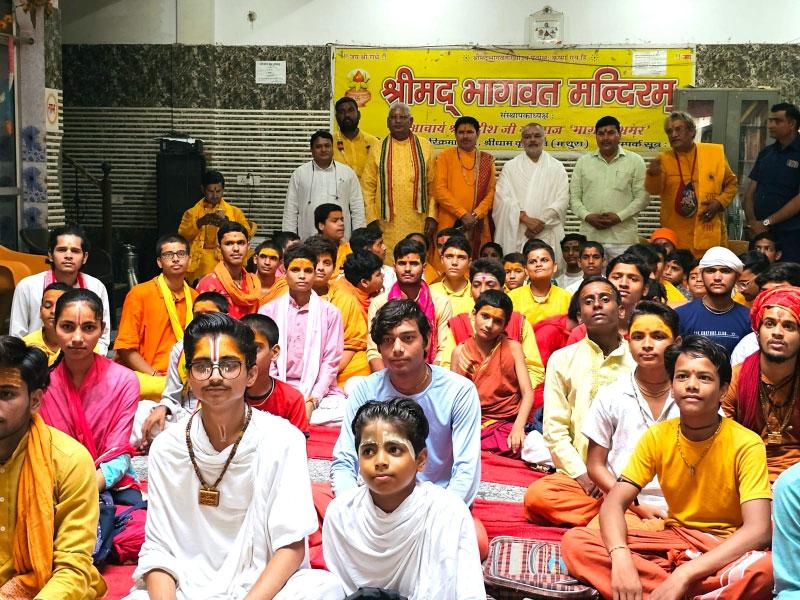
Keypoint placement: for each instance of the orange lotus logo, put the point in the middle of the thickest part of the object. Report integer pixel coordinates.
(358, 84)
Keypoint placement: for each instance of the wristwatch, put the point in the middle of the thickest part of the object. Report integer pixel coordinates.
(766, 222)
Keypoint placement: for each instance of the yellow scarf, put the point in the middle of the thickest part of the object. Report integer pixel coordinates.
(245, 299)
(33, 537)
(166, 294)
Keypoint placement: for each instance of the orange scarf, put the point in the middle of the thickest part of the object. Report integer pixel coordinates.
(358, 293)
(33, 537)
(248, 296)
(278, 289)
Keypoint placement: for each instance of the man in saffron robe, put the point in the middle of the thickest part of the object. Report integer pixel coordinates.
(241, 289)
(311, 339)
(200, 223)
(465, 181)
(398, 180)
(695, 183)
(409, 262)
(154, 315)
(532, 196)
(50, 497)
(763, 392)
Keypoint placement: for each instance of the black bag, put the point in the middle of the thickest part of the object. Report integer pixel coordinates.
(110, 523)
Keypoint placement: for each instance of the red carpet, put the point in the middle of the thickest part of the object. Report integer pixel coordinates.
(508, 518)
(320, 442)
(499, 469)
(119, 580)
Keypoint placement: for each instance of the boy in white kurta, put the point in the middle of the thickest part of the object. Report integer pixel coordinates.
(229, 497)
(416, 539)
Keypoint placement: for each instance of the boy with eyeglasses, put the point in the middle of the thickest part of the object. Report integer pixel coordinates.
(229, 496)
(154, 315)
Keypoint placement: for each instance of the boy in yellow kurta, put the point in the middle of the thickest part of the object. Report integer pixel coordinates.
(200, 223)
(398, 181)
(465, 182)
(540, 299)
(354, 352)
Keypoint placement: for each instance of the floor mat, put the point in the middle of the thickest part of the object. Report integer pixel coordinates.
(321, 441)
(508, 518)
(510, 471)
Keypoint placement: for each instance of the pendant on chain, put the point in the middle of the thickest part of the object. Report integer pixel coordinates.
(208, 497)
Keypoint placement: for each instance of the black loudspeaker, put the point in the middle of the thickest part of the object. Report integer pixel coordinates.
(179, 172)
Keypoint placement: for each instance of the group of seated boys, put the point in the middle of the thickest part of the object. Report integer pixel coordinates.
(661, 389)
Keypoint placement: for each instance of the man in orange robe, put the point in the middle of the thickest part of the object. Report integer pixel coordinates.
(465, 181)
(695, 183)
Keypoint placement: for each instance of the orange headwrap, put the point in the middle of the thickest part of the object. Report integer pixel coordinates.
(664, 233)
(785, 296)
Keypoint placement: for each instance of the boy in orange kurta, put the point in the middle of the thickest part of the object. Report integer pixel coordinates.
(154, 315)
(354, 353)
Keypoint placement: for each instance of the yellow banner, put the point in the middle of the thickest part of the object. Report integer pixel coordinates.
(565, 90)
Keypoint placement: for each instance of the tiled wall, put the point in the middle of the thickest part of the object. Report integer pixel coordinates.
(194, 77)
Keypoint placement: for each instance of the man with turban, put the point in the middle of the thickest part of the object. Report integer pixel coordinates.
(715, 315)
(763, 392)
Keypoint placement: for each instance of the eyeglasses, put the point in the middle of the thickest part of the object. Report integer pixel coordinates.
(228, 368)
(171, 255)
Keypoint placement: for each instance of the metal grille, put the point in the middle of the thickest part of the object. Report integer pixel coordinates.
(55, 201)
(268, 144)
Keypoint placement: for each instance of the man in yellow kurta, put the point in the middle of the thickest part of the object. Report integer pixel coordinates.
(200, 223)
(398, 181)
(351, 145)
(695, 183)
(48, 491)
(465, 180)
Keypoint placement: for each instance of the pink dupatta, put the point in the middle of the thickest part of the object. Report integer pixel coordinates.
(99, 414)
(425, 301)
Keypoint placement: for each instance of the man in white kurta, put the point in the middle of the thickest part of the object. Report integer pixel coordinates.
(426, 548)
(531, 197)
(321, 181)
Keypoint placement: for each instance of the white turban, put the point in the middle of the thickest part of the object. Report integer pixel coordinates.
(721, 257)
